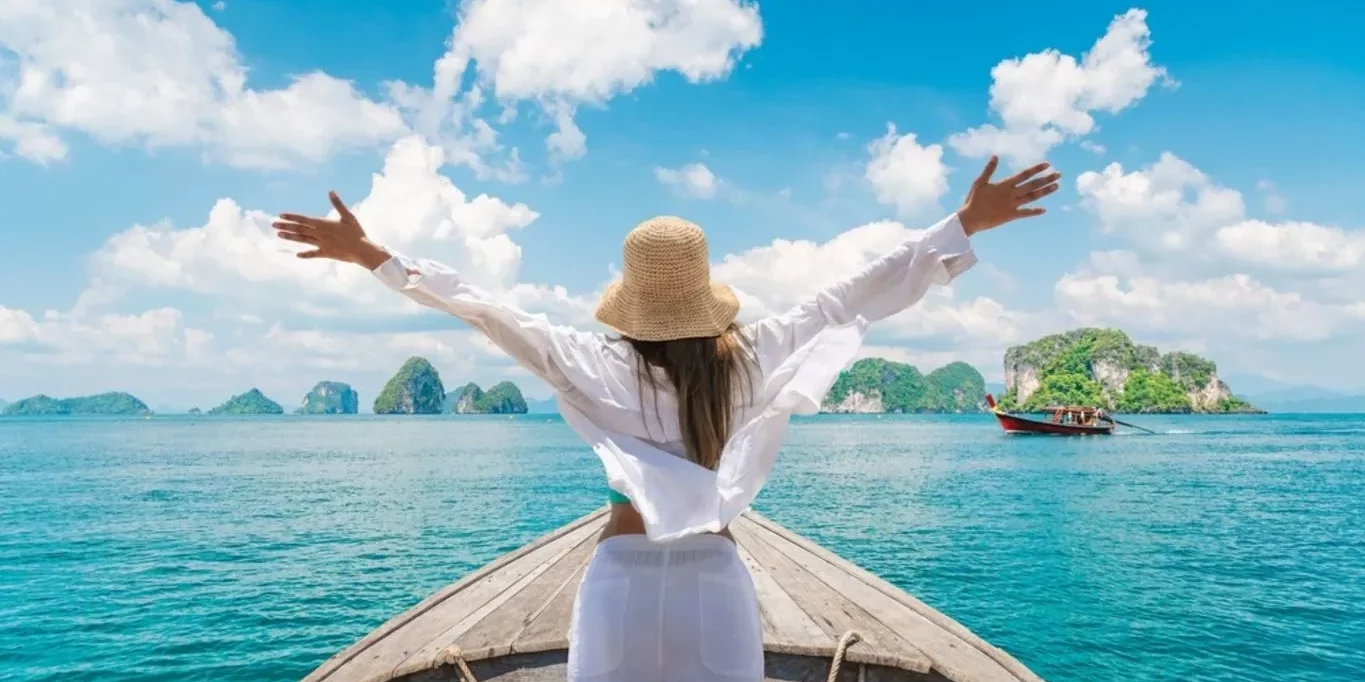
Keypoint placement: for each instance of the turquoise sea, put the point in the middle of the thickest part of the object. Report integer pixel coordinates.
(1228, 549)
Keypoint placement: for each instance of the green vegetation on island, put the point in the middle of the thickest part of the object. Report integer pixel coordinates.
(415, 389)
(108, 404)
(251, 402)
(195, 410)
(1104, 368)
(331, 397)
(502, 398)
(874, 385)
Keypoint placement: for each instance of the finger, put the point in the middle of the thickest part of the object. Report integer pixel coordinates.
(1026, 173)
(316, 253)
(1037, 194)
(1030, 212)
(287, 226)
(987, 172)
(320, 223)
(1037, 183)
(297, 237)
(340, 206)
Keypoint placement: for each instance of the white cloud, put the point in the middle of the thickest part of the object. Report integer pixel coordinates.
(1046, 97)
(16, 326)
(1168, 205)
(160, 73)
(549, 50)
(1093, 148)
(771, 279)
(1173, 208)
(1293, 245)
(693, 179)
(1237, 305)
(906, 174)
(152, 338)
(33, 141)
(236, 255)
(562, 55)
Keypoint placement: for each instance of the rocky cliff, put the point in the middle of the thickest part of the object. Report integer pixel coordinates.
(502, 398)
(415, 389)
(331, 397)
(108, 404)
(875, 385)
(251, 402)
(1104, 368)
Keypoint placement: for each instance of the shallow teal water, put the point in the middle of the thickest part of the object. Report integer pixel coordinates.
(1230, 549)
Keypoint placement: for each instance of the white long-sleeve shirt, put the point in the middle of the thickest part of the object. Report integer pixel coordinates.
(799, 354)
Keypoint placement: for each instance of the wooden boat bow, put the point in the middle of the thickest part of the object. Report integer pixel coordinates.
(509, 620)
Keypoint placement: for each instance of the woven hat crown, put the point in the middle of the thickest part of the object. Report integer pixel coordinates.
(665, 292)
(667, 253)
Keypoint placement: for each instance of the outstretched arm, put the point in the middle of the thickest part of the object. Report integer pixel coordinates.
(902, 277)
(543, 348)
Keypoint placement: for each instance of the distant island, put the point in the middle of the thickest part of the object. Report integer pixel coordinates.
(415, 389)
(330, 397)
(876, 385)
(502, 398)
(108, 404)
(1104, 368)
(251, 402)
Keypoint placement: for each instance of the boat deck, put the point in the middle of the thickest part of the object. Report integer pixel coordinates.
(510, 619)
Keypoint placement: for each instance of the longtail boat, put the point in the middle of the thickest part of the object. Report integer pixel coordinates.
(509, 621)
(1060, 421)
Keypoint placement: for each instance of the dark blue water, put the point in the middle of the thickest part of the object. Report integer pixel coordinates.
(1227, 549)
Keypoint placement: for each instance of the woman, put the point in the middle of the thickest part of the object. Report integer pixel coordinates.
(686, 410)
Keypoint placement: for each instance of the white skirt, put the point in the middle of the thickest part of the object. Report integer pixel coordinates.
(658, 612)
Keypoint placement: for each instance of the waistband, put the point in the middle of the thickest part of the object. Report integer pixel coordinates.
(689, 542)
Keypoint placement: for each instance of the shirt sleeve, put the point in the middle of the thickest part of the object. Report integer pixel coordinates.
(546, 349)
(883, 288)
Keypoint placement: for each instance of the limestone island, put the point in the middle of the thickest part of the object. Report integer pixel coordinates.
(104, 404)
(251, 402)
(502, 398)
(1104, 368)
(415, 389)
(876, 385)
(330, 397)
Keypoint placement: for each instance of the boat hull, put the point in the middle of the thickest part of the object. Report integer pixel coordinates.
(1014, 424)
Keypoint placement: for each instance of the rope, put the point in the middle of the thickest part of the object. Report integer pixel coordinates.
(453, 656)
(848, 638)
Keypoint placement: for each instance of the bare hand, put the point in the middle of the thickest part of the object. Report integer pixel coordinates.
(991, 205)
(342, 240)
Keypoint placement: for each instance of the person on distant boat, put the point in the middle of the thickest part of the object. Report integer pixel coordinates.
(686, 409)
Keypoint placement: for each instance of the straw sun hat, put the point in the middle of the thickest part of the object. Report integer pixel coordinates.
(665, 292)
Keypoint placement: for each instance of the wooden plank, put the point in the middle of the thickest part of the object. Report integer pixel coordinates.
(550, 627)
(952, 657)
(327, 667)
(891, 591)
(376, 662)
(785, 625)
(491, 632)
(835, 613)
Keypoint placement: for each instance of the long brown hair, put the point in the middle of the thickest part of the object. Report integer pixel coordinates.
(711, 378)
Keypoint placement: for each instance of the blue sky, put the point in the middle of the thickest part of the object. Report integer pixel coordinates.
(1212, 201)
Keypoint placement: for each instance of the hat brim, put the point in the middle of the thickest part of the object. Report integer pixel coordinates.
(655, 319)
